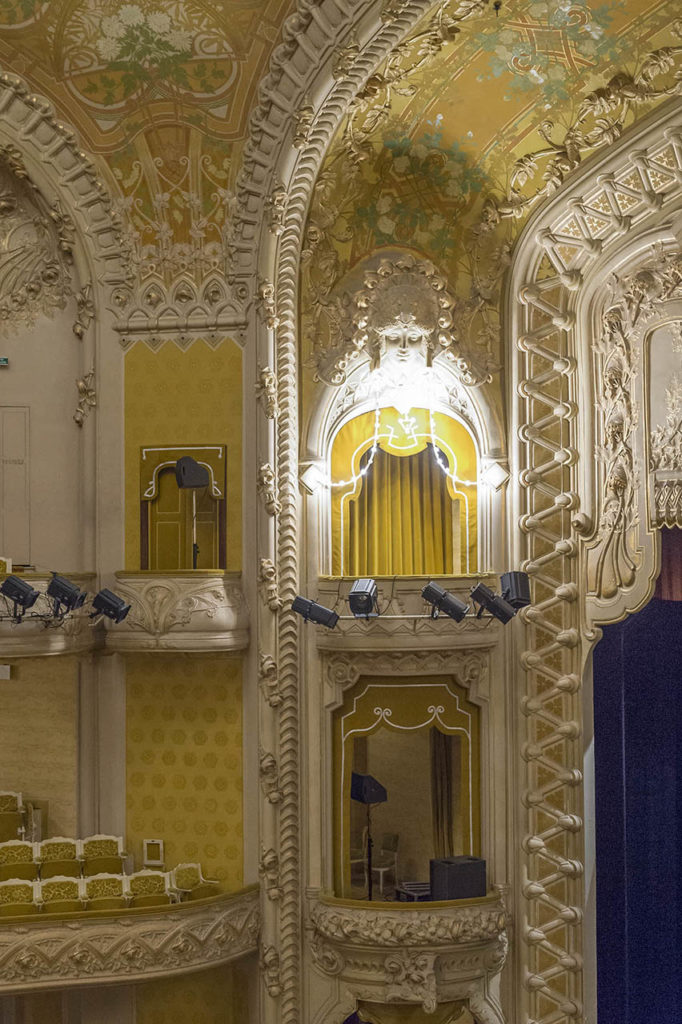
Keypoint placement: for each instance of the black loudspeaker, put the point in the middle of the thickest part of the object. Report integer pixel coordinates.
(366, 790)
(457, 878)
(188, 473)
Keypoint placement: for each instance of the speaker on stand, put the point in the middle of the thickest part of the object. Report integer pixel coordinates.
(366, 790)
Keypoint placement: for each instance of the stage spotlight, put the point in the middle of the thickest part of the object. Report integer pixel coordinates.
(20, 592)
(313, 612)
(190, 473)
(515, 588)
(109, 604)
(445, 602)
(362, 599)
(65, 594)
(491, 602)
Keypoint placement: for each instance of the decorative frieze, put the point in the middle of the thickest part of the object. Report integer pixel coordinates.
(417, 954)
(196, 610)
(95, 950)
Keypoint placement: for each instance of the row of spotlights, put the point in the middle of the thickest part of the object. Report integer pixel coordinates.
(363, 603)
(67, 597)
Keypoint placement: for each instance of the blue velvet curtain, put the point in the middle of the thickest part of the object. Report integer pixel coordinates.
(638, 762)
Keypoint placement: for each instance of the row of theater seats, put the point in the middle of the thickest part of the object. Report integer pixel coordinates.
(61, 894)
(61, 855)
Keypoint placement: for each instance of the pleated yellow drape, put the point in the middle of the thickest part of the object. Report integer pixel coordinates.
(401, 439)
(401, 523)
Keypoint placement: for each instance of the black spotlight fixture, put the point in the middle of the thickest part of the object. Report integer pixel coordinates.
(314, 612)
(362, 599)
(21, 593)
(515, 588)
(443, 601)
(489, 601)
(65, 594)
(109, 604)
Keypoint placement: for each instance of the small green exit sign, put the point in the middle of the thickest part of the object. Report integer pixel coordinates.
(4, 360)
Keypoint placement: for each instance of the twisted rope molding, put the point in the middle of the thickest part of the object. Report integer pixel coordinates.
(267, 160)
(555, 256)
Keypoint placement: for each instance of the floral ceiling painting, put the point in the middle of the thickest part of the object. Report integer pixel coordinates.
(163, 91)
(471, 122)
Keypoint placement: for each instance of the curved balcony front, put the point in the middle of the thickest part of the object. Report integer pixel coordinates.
(35, 635)
(194, 610)
(414, 953)
(98, 947)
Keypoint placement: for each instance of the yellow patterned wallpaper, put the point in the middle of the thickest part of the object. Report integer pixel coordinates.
(173, 398)
(40, 715)
(218, 996)
(184, 761)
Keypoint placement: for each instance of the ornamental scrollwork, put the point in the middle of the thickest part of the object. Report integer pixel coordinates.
(36, 248)
(269, 965)
(397, 929)
(110, 949)
(601, 118)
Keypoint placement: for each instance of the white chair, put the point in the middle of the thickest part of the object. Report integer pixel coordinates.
(386, 859)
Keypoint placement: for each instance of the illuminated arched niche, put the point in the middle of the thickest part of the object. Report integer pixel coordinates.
(404, 495)
(384, 729)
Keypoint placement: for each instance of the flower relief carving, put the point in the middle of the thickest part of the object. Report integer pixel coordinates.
(36, 248)
(157, 607)
(403, 308)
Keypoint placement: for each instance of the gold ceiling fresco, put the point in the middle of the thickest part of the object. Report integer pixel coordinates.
(470, 123)
(162, 90)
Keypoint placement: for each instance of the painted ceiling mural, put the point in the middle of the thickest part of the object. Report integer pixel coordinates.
(163, 91)
(467, 125)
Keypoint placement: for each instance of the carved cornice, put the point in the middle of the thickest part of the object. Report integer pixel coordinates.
(425, 955)
(94, 950)
(191, 611)
(32, 637)
(153, 310)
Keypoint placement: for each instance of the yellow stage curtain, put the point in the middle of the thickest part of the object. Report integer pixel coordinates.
(397, 512)
(401, 522)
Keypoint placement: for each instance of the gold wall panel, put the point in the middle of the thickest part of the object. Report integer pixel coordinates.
(39, 737)
(218, 996)
(184, 761)
(184, 398)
